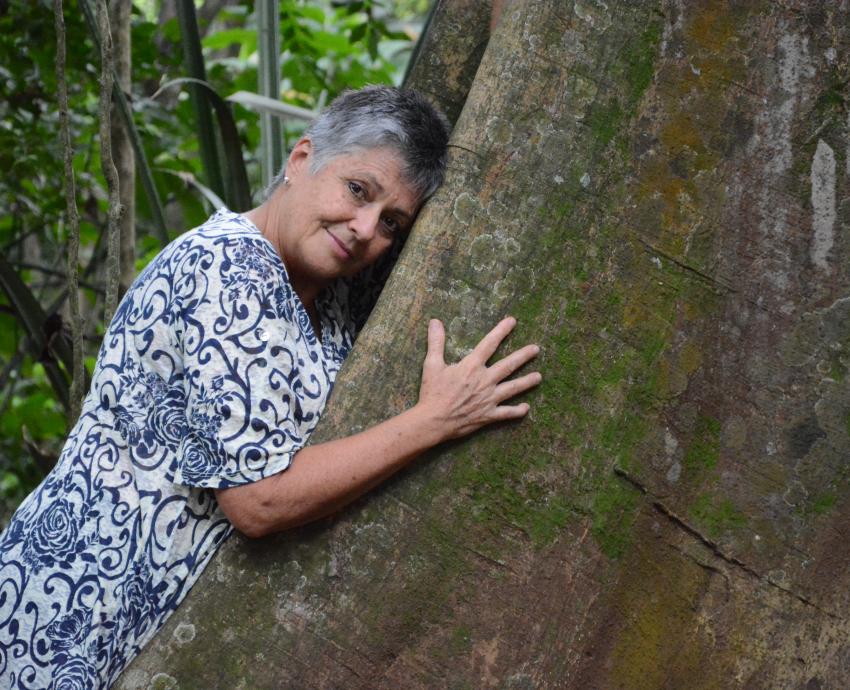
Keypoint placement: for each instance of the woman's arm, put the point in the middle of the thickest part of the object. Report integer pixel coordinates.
(454, 400)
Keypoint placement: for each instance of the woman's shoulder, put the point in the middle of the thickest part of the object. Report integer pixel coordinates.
(224, 227)
(224, 248)
(225, 238)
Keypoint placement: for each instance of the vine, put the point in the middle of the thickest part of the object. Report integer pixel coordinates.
(73, 222)
(113, 252)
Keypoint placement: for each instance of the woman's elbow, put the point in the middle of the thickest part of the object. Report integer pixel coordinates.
(244, 512)
(253, 529)
(246, 523)
(253, 515)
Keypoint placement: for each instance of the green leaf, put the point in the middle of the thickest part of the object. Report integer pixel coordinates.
(372, 42)
(171, 30)
(225, 38)
(9, 483)
(312, 12)
(329, 42)
(194, 61)
(237, 193)
(358, 32)
(33, 318)
(261, 104)
(349, 7)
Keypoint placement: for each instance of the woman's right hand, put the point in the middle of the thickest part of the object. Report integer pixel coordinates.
(461, 398)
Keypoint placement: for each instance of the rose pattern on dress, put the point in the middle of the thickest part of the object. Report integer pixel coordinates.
(76, 673)
(138, 597)
(203, 456)
(210, 375)
(126, 424)
(55, 538)
(70, 630)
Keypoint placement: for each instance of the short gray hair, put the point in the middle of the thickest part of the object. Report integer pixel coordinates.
(383, 116)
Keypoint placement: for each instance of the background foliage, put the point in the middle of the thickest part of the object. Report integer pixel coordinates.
(326, 47)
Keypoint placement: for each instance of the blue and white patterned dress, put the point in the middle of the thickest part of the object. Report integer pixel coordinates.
(209, 376)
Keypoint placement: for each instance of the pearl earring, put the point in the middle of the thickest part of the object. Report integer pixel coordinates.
(285, 180)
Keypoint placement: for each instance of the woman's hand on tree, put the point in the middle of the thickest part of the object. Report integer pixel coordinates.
(454, 400)
(461, 398)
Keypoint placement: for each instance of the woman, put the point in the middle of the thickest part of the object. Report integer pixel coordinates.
(210, 380)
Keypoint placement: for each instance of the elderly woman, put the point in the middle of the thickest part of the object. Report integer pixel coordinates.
(210, 380)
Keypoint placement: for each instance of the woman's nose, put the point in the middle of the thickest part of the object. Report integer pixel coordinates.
(365, 221)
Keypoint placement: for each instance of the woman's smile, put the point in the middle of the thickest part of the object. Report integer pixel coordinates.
(340, 249)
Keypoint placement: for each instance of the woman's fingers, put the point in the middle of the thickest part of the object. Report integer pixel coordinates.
(508, 389)
(514, 361)
(505, 412)
(490, 342)
(436, 344)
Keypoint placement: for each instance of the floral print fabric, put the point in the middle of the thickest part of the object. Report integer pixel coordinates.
(209, 376)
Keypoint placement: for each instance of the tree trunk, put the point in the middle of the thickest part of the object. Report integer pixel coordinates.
(659, 191)
(122, 149)
(445, 60)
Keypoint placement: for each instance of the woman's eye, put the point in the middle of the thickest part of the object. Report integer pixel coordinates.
(391, 224)
(357, 190)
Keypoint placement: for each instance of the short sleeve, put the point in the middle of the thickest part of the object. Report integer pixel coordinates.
(254, 389)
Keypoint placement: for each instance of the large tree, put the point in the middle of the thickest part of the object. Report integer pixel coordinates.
(659, 191)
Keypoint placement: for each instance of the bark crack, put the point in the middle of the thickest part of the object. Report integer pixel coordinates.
(476, 552)
(712, 570)
(468, 150)
(714, 282)
(712, 545)
(336, 646)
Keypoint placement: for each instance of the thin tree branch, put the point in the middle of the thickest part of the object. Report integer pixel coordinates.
(113, 259)
(27, 266)
(9, 383)
(75, 393)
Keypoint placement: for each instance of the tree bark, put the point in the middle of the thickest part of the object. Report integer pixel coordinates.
(446, 59)
(659, 191)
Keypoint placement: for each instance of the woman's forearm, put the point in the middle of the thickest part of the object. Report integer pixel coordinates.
(325, 477)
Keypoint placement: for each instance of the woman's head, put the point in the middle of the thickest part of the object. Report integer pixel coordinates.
(354, 183)
(383, 117)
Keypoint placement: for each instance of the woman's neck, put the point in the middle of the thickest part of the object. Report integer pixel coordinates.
(268, 219)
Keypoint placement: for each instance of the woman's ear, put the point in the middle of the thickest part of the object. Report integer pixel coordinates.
(299, 158)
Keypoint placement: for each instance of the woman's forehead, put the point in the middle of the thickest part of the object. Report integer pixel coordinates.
(383, 157)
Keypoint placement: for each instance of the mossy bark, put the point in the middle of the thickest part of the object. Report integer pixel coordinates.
(660, 192)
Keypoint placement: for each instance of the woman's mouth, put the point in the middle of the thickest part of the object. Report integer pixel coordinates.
(339, 248)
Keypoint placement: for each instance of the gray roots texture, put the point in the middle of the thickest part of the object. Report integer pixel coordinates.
(383, 117)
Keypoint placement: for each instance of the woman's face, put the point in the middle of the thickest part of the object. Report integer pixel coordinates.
(341, 219)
